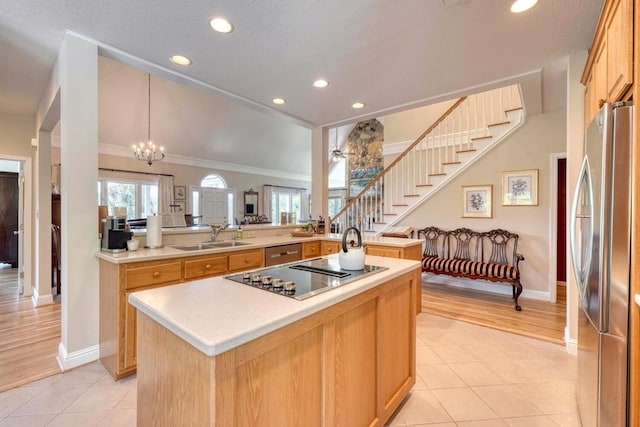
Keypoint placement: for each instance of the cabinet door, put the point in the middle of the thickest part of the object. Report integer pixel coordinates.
(328, 248)
(155, 273)
(128, 358)
(383, 251)
(310, 249)
(396, 345)
(246, 260)
(210, 266)
(599, 76)
(619, 49)
(589, 104)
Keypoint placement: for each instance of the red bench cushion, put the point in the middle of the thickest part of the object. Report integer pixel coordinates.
(469, 268)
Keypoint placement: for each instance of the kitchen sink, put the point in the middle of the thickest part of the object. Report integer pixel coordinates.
(208, 245)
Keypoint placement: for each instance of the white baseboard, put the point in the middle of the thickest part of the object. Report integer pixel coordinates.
(570, 344)
(77, 358)
(39, 300)
(482, 285)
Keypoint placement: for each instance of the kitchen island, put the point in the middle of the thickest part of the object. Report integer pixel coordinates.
(215, 352)
(123, 273)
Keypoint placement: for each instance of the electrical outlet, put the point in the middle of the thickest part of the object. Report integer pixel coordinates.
(250, 234)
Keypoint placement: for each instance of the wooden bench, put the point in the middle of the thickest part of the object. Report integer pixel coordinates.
(461, 253)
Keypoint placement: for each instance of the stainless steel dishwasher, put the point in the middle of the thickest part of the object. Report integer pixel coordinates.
(274, 255)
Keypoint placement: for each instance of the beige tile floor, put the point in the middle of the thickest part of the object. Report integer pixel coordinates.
(467, 376)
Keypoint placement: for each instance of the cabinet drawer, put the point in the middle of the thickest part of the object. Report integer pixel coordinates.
(384, 251)
(328, 248)
(138, 277)
(205, 267)
(246, 260)
(310, 249)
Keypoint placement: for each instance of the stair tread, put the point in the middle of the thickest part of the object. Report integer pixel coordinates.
(411, 195)
(379, 222)
(390, 214)
(424, 185)
(481, 137)
(437, 174)
(451, 163)
(468, 150)
(513, 109)
(400, 204)
(499, 123)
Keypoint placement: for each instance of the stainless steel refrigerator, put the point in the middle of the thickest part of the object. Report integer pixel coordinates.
(600, 246)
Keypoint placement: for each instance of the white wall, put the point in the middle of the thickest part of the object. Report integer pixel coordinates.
(527, 148)
(408, 125)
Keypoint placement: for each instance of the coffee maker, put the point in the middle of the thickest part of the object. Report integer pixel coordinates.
(114, 234)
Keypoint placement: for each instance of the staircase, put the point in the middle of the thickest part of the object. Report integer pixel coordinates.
(471, 127)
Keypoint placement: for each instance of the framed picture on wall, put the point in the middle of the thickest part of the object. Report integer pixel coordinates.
(520, 188)
(477, 201)
(180, 207)
(179, 192)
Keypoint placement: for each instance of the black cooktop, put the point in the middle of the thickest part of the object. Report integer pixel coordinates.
(310, 277)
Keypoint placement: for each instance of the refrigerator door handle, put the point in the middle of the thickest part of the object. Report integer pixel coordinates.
(582, 260)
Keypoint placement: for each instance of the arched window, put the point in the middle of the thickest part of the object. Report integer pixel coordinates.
(213, 181)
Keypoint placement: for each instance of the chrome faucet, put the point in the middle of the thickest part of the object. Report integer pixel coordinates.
(216, 229)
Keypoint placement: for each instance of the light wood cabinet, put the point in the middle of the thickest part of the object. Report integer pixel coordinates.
(608, 74)
(384, 251)
(310, 249)
(152, 273)
(328, 247)
(117, 281)
(246, 260)
(204, 267)
(620, 49)
(353, 362)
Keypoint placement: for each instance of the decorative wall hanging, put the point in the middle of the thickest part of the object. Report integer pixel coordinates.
(179, 192)
(520, 188)
(476, 201)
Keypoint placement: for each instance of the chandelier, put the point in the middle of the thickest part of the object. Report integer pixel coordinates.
(148, 151)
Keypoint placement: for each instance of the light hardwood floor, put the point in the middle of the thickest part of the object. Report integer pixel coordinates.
(29, 336)
(538, 319)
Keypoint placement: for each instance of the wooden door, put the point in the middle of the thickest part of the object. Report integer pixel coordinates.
(9, 193)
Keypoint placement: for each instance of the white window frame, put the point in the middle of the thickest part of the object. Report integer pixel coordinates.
(103, 195)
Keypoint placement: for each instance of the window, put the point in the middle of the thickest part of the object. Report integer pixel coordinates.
(213, 181)
(288, 200)
(140, 198)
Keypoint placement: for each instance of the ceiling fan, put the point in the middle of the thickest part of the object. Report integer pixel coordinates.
(336, 153)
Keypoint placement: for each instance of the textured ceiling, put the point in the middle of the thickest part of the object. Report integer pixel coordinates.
(384, 53)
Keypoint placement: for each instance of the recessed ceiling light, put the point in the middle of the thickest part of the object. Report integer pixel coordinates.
(278, 101)
(321, 83)
(522, 5)
(357, 105)
(180, 60)
(221, 25)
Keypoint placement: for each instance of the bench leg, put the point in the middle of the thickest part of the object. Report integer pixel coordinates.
(517, 290)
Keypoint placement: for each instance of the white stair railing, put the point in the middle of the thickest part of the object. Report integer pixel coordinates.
(424, 162)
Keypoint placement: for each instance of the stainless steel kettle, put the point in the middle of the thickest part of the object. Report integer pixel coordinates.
(351, 257)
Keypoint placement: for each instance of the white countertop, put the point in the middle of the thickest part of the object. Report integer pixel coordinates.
(250, 243)
(215, 315)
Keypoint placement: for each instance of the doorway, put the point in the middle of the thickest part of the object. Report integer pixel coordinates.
(561, 226)
(558, 228)
(12, 212)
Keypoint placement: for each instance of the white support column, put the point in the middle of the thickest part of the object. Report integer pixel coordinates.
(78, 75)
(319, 172)
(42, 292)
(575, 137)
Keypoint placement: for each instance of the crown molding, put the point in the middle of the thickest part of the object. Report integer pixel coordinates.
(121, 151)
